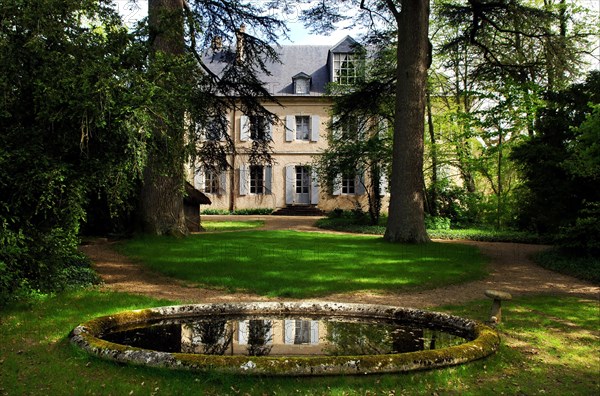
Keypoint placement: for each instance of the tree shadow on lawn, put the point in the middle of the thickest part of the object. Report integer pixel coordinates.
(299, 264)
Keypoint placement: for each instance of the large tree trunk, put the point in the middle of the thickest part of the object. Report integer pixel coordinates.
(162, 192)
(406, 221)
(433, 202)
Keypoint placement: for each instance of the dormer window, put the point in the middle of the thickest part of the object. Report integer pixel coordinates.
(301, 84)
(346, 68)
(346, 62)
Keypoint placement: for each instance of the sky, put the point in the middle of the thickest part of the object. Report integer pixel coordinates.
(132, 11)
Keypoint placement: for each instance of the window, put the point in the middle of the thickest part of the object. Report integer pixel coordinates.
(257, 180)
(302, 334)
(348, 129)
(348, 183)
(301, 86)
(258, 128)
(346, 68)
(302, 127)
(214, 129)
(211, 181)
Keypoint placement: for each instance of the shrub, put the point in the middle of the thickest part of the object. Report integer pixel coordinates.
(584, 236)
(586, 267)
(253, 211)
(437, 223)
(215, 212)
(241, 212)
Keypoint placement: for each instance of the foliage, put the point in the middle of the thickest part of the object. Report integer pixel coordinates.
(555, 190)
(69, 131)
(253, 211)
(315, 264)
(360, 143)
(398, 33)
(524, 41)
(493, 63)
(584, 152)
(437, 223)
(457, 204)
(485, 235)
(347, 224)
(247, 211)
(191, 98)
(220, 212)
(548, 345)
(583, 237)
(582, 266)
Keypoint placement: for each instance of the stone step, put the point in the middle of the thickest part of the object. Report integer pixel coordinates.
(298, 210)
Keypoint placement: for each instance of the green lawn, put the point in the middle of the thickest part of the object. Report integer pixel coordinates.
(213, 226)
(550, 347)
(306, 264)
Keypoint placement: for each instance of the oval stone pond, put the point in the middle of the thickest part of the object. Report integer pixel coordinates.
(308, 338)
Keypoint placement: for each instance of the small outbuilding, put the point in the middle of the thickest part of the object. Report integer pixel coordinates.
(191, 206)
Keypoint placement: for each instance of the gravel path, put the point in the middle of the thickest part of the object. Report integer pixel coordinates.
(510, 270)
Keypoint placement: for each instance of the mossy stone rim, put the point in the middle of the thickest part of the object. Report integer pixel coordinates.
(485, 340)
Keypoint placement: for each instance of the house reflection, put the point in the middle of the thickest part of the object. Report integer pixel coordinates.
(255, 337)
(301, 336)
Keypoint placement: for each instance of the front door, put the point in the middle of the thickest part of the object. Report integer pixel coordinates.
(302, 185)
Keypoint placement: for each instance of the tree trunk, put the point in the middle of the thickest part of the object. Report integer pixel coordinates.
(433, 202)
(500, 191)
(162, 191)
(406, 221)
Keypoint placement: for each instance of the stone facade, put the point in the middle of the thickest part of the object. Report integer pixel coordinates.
(297, 138)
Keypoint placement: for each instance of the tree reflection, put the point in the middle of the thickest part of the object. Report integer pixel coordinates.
(212, 337)
(259, 335)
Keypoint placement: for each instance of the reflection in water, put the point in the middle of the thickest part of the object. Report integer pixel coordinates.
(207, 337)
(292, 336)
(259, 335)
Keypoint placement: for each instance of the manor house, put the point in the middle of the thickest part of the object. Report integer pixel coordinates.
(299, 84)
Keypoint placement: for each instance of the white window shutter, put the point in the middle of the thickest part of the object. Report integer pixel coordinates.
(225, 132)
(314, 332)
(337, 184)
(268, 179)
(290, 184)
(201, 131)
(223, 182)
(361, 123)
(269, 131)
(359, 185)
(244, 128)
(314, 187)
(383, 185)
(244, 179)
(269, 334)
(315, 125)
(290, 128)
(243, 332)
(199, 180)
(289, 331)
(336, 132)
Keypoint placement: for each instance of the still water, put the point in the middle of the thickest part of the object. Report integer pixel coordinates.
(283, 336)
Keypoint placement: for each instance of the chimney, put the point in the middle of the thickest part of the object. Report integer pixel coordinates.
(239, 45)
(217, 43)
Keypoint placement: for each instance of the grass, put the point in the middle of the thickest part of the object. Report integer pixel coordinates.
(213, 226)
(475, 234)
(303, 264)
(550, 347)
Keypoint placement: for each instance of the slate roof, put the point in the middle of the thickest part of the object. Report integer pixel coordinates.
(195, 197)
(312, 60)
